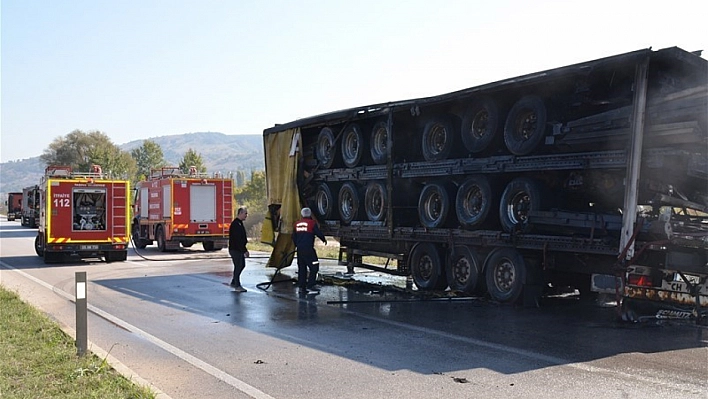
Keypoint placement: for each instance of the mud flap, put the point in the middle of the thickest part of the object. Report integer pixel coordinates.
(637, 310)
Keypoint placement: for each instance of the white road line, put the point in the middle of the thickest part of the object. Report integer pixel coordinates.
(204, 366)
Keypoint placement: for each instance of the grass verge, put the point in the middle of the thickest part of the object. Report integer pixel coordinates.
(38, 360)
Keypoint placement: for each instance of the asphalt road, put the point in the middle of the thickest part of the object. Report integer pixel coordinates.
(170, 320)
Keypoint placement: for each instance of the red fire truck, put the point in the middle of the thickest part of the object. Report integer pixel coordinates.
(82, 214)
(173, 208)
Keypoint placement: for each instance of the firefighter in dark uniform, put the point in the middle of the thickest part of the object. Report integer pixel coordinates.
(237, 248)
(304, 233)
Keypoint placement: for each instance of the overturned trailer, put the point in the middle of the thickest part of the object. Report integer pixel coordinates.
(593, 175)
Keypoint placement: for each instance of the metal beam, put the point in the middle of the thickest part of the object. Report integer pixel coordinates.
(634, 160)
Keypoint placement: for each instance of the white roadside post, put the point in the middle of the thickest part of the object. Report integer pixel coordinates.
(81, 315)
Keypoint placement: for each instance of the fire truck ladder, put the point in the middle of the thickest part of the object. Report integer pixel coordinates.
(119, 201)
(227, 206)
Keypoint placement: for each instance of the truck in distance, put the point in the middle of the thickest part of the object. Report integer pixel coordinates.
(14, 206)
(30, 206)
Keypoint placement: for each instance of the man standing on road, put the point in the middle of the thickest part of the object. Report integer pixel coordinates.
(304, 238)
(237, 248)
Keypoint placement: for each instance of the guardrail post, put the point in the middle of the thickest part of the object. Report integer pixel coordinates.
(81, 314)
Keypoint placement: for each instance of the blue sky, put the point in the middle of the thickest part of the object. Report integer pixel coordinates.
(149, 68)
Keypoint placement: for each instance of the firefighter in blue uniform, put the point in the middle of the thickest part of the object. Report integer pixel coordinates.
(304, 233)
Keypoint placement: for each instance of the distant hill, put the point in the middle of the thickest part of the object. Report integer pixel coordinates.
(220, 152)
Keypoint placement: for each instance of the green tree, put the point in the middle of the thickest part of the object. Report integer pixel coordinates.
(252, 195)
(148, 156)
(240, 178)
(80, 150)
(191, 158)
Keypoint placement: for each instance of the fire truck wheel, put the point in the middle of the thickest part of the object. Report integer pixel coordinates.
(525, 125)
(137, 241)
(53, 257)
(426, 267)
(116, 256)
(208, 246)
(505, 272)
(39, 245)
(160, 238)
(463, 270)
(479, 125)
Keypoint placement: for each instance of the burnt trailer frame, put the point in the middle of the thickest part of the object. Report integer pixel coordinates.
(605, 123)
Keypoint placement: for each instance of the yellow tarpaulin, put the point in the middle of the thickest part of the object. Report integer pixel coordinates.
(282, 157)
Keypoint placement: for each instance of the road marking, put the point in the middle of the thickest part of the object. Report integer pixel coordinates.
(204, 366)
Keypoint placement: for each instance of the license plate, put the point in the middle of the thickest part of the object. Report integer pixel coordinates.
(89, 247)
(680, 286)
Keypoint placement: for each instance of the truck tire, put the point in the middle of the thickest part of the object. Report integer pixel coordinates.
(324, 149)
(505, 272)
(137, 241)
(520, 196)
(116, 256)
(433, 205)
(525, 125)
(479, 125)
(375, 201)
(352, 145)
(426, 267)
(348, 202)
(39, 245)
(324, 201)
(473, 201)
(438, 138)
(53, 257)
(379, 143)
(208, 246)
(463, 270)
(160, 238)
